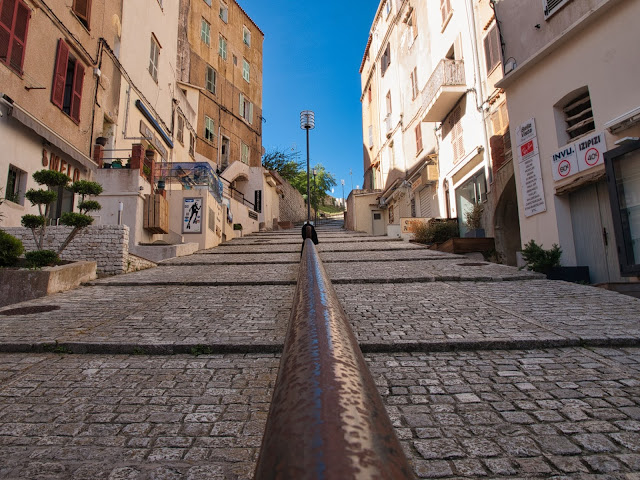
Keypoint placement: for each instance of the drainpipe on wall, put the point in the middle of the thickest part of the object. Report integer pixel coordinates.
(479, 92)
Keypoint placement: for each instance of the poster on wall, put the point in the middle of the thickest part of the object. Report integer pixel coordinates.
(192, 215)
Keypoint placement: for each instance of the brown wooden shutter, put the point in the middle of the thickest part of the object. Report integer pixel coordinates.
(76, 96)
(60, 74)
(82, 8)
(418, 139)
(19, 40)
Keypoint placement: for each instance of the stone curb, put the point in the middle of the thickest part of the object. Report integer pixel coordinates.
(408, 347)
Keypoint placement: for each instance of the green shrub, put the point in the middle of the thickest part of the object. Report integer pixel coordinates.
(237, 226)
(473, 218)
(436, 232)
(539, 259)
(76, 220)
(10, 249)
(41, 258)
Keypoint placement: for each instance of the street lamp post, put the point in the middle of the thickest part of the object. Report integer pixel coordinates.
(315, 195)
(308, 122)
(344, 206)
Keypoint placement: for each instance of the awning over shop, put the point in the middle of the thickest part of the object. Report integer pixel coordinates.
(29, 121)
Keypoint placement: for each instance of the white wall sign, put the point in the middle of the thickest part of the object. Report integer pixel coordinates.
(579, 156)
(526, 131)
(565, 163)
(590, 151)
(192, 215)
(532, 189)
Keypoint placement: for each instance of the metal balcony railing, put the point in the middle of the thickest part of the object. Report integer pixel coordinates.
(327, 420)
(447, 73)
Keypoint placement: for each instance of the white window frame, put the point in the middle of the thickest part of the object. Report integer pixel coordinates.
(154, 58)
(246, 35)
(205, 32)
(222, 47)
(209, 129)
(245, 153)
(246, 109)
(210, 79)
(246, 71)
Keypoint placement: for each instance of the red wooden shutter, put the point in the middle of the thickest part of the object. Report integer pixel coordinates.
(76, 96)
(19, 40)
(82, 8)
(6, 26)
(60, 74)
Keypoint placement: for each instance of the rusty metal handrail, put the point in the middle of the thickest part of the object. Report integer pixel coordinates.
(327, 420)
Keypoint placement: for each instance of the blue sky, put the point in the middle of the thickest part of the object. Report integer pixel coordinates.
(312, 54)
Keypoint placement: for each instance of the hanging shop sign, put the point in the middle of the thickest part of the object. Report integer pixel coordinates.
(192, 215)
(526, 132)
(577, 157)
(56, 163)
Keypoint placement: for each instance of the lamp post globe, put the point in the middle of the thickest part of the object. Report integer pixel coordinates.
(308, 122)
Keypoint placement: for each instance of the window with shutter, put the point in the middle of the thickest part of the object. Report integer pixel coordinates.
(210, 79)
(370, 136)
(82, 10)
(414, 83)
(578, 115)
(385, 61)
(455, 127)
(245, 153)
(445, 10)
(224, 12)
(154, 58)
(180, 132)
(209, 127)
(492, 48)
(245, 70)
(222, 47)
(68, 80)
(552, 6)
(14, 24)
(418, 139)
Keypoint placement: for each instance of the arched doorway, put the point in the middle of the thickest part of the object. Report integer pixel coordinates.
(507, 224)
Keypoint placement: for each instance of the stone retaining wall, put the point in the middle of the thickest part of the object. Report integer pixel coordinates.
(108, 245)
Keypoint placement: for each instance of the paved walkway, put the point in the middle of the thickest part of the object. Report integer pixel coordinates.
(486, 371)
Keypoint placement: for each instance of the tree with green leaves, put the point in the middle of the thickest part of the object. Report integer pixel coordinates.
(318, 186)
(43, 198)
(287, 164)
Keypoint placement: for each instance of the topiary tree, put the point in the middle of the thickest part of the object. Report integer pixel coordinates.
(43, 199)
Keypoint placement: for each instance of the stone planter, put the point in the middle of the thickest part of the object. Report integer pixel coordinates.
(24, 284)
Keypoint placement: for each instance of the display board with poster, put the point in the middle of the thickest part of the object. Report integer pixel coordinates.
(192, 215)
(530, 172)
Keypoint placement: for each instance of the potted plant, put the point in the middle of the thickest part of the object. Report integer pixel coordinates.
(547, 261)
(473, 221)
(117, 163)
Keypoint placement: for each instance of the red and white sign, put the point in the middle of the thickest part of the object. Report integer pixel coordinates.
(528, 149)
(590, 151)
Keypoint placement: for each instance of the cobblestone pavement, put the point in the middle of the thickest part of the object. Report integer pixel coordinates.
(486, 371)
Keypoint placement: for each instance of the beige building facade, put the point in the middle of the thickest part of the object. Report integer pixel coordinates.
(49, 78)
(574, 109)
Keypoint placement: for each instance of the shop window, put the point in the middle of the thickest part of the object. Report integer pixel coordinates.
(62, 204)
(468, 194)
(623, 175)
(16, 184)
(14, 25)
(82, 10)
(68, 79)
